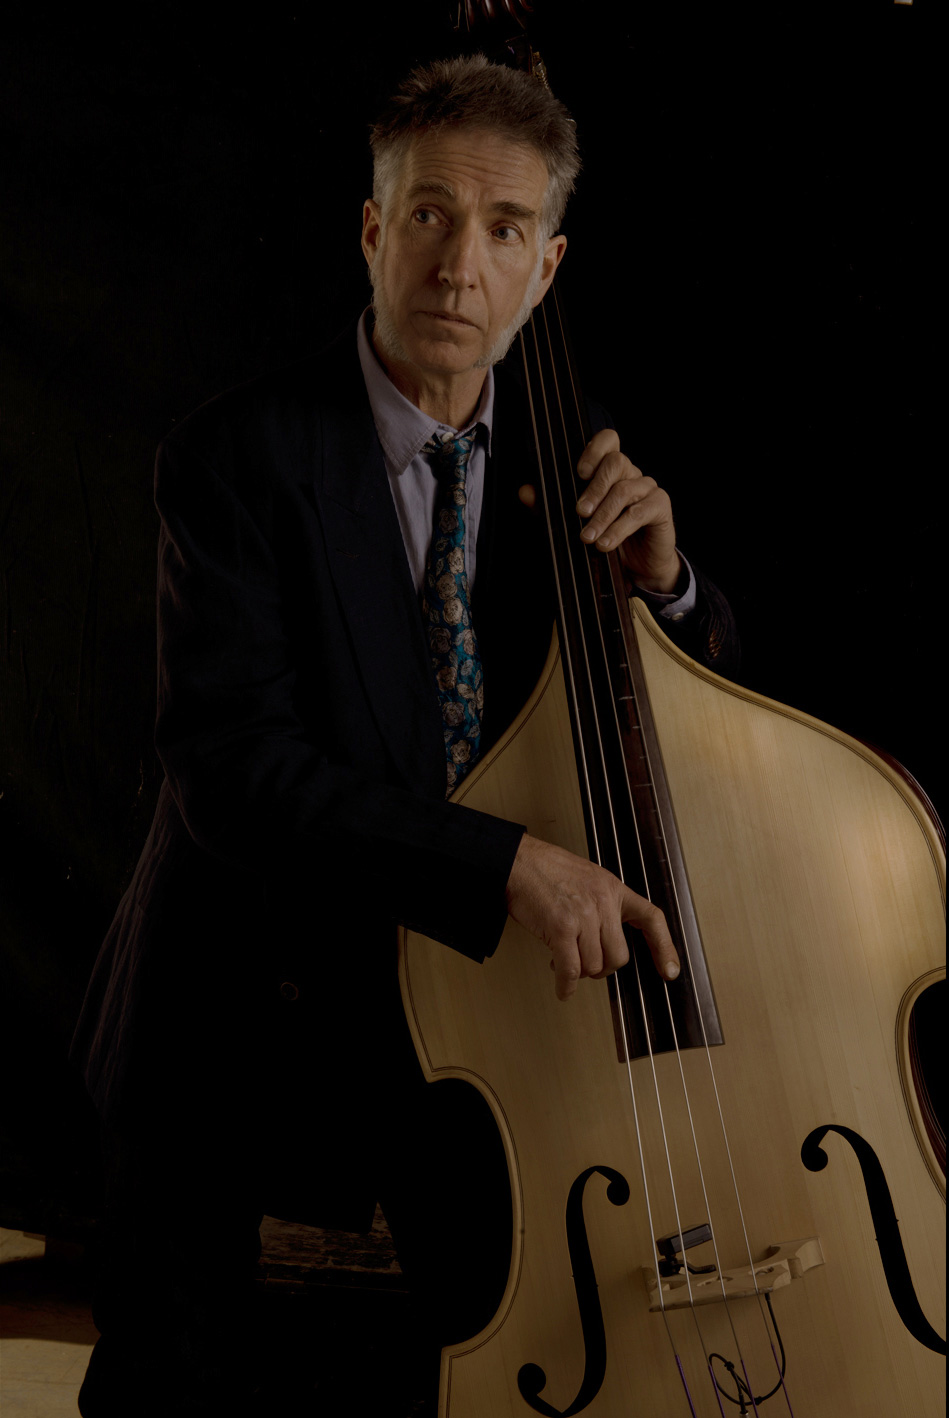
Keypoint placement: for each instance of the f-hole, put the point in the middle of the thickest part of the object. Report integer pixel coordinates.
(920, 1035)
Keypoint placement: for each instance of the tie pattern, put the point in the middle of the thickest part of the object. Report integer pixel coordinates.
(446, 609)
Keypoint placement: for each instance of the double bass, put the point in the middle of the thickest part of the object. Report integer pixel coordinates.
(728, 1190)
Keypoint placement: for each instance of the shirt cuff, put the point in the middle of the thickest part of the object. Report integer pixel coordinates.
(676, 604)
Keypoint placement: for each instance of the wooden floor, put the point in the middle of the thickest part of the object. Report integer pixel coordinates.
(326, 1293)
(46, 1330)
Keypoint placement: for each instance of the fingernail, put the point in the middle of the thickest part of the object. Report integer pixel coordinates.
(585, 506)
(588, 534)
(672, 971)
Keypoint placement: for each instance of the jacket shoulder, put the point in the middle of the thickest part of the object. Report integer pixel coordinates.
(275, 409)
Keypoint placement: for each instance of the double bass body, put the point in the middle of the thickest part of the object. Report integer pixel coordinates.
(818, 881)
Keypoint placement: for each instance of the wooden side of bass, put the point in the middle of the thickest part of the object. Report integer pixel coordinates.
(819, 885)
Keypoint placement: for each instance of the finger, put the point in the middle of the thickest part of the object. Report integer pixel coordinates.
(649, 919)
(606, 441)
(614, 948)
(566, 967)
(614, 472)
(627, 508)
(633, 520)
(590, 948)
(528, 495)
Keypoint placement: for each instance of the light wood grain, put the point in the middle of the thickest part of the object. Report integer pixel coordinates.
(819, 887)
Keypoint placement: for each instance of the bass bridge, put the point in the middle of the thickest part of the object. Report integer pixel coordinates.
(782, 1263)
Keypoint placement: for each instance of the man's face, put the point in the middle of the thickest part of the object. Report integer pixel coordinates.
(456, 266)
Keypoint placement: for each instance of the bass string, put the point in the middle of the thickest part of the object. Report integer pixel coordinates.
(706, 1050)
(618, 585)
(583, 767)
(580, 746)
(566, 522)
(719, 1112)
(619, 590)
(570, 675)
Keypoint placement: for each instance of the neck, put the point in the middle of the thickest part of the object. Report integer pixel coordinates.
(452, 399)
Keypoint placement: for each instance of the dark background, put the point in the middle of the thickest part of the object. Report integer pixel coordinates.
(749, 278)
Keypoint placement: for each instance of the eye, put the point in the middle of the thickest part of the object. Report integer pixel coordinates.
(424, 216)
(506, 234)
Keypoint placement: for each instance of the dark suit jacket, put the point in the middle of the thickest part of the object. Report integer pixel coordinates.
(303, 812)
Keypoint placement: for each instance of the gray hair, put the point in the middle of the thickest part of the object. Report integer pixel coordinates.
(473, 93)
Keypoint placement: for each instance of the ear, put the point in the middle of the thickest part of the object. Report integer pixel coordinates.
(371, 229)
(553, 255)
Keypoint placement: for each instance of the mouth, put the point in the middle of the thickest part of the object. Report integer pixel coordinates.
(448, 318)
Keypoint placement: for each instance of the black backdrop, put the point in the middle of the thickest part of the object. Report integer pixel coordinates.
(748, 280)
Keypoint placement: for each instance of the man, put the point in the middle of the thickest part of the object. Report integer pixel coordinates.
(327, 668)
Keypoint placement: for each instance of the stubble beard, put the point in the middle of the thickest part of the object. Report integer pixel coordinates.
(387, 334)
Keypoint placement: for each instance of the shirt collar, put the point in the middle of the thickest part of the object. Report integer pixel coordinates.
(403, 429)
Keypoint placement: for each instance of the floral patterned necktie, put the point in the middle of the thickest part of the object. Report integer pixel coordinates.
(446, 608)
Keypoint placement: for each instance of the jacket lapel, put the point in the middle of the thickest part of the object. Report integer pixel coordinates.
(367, 560)
(513, 604)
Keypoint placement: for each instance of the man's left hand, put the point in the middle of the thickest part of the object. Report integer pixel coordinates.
(627, 510)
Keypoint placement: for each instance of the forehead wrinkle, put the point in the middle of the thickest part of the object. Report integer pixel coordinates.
(503, 207)
(425, 188)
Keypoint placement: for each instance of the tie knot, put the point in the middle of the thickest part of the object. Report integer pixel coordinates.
(450, 455)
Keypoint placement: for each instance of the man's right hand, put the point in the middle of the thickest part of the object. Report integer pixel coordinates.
(577, 909)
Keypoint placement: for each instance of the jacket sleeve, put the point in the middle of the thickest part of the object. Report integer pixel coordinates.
(708, 633)
(254, 785)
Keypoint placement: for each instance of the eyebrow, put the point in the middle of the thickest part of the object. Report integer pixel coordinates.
(445, 189)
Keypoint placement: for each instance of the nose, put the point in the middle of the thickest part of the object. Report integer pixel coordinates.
(458, 266)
